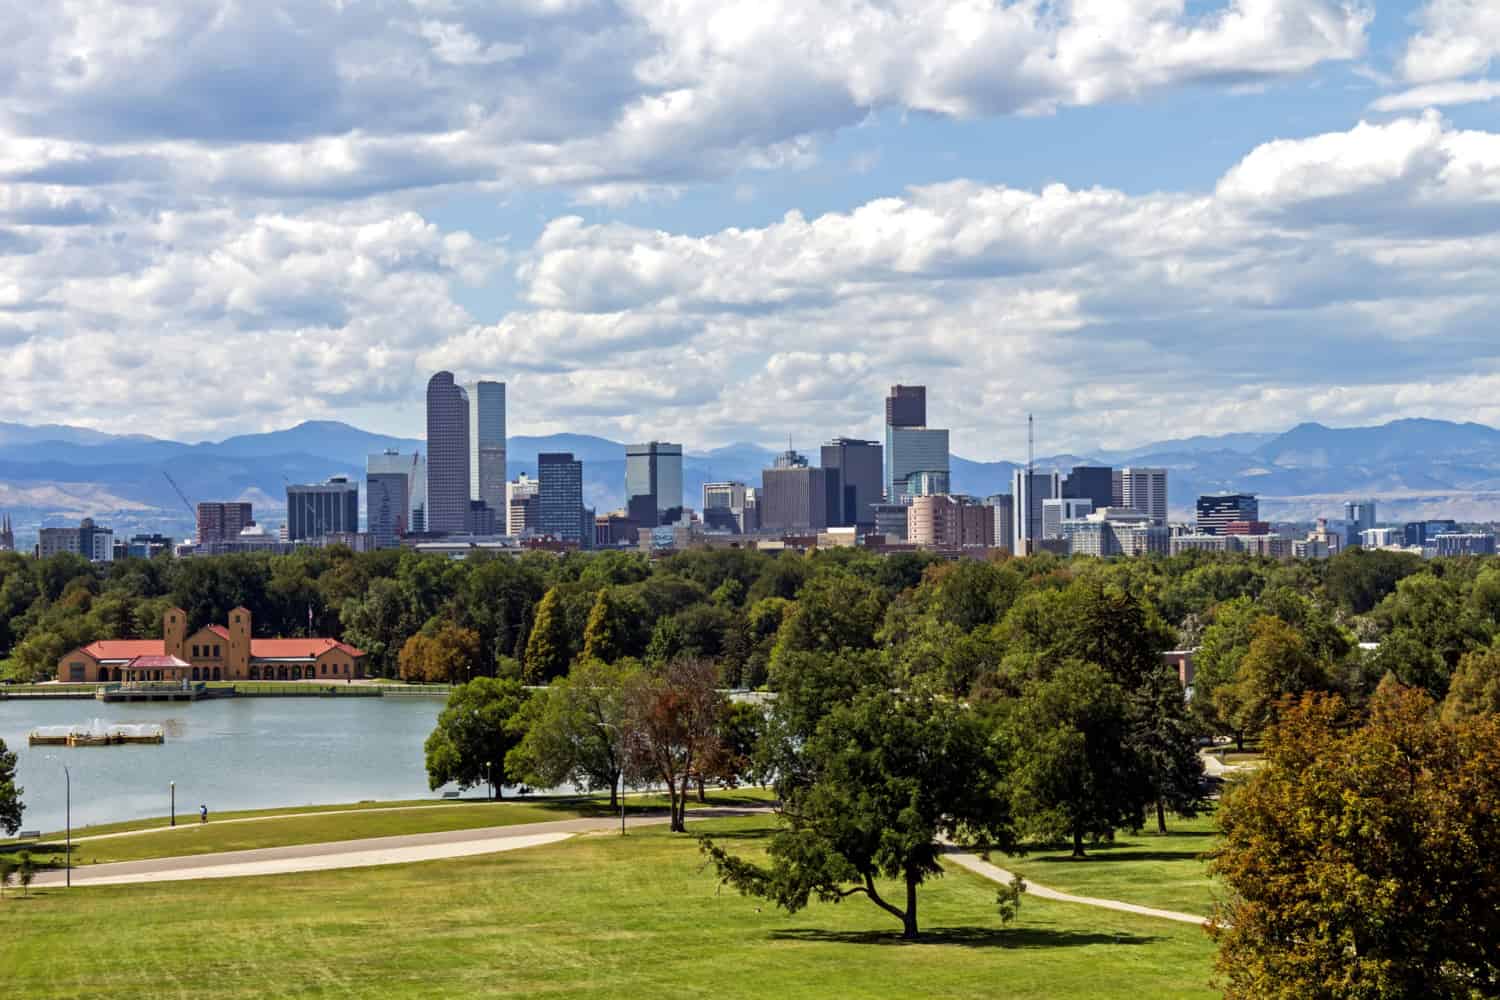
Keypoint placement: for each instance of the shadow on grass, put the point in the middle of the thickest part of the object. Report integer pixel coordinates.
(1105, 857)
(965, 937)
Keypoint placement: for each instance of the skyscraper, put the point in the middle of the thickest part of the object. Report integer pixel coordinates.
(1216, 511)
(221, 521)
(321, 509)
(1090, 482)
(653, 481)
(1004, 506)
(859, 464)
(910, 445)
(797, 498)
(388, 478)
(7, 535)
(1029, 492)
(1059, 509)
(1359, 517)
(559, 498)
(447, 455)
(521, 506)
(487, 448)
(1144, 490)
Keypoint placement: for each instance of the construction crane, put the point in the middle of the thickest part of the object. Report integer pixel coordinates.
(181, 495)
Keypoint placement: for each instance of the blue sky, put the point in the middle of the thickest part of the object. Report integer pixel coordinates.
(714, 221)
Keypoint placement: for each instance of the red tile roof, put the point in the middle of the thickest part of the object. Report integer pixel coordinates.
(158, 661)
(125, 649)
(220, 631)
(291, 649)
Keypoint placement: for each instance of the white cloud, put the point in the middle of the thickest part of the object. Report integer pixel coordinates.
(1457, 38)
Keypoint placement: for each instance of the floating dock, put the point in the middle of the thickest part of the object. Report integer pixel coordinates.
(96, 735)
(152, 691)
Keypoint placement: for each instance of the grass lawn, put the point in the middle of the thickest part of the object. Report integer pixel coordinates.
(595, 916)
(312, 825)
(1148, 868)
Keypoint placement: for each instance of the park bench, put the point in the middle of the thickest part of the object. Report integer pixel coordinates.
(450, 795)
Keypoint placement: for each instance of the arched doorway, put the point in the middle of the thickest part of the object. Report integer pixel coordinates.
(255, 673)
(216, 673)
(281, 673)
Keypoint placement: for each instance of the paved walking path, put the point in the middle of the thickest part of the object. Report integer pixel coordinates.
(994, 873)
(360, 853)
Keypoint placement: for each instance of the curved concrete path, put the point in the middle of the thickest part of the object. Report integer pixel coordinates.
(995, 873)
(359, 853)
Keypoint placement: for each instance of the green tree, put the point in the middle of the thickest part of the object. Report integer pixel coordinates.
(1073, 772)
(1165, 738)
(25, 872)
(11, 805)
(1278, 664)
(7, 873)
(891, 774)
(1475, 688)
(475, 731)
(604, 636)
(574, 730)
(831, 612)
(548, 649)
(1364, 860)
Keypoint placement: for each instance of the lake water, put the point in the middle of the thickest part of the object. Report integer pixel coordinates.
(229, 753)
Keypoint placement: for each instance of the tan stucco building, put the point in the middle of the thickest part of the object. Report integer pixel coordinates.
(212, 653)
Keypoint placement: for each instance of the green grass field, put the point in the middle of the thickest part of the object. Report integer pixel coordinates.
(1161, 870)
(314, 825)
(595, 916)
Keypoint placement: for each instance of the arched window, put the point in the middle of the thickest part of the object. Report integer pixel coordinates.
(255, 673)
(216, 673)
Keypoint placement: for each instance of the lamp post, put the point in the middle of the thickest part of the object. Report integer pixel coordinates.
(173, 786)
(68, 821)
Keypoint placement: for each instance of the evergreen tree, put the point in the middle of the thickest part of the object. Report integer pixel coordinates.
(602, 635)
(547, 646)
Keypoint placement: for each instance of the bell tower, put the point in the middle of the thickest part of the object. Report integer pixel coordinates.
(237, 664)
(174, 631)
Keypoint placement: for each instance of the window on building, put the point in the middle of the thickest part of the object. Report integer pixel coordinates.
(216, 649)
(195, 650)
(75, 671)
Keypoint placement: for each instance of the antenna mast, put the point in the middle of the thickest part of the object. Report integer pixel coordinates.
(1030, 482)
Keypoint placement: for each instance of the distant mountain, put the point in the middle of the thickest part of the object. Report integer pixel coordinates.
(1415, 468)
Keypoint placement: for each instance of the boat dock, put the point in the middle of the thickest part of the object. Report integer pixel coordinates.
(96, 735)
(152, 691)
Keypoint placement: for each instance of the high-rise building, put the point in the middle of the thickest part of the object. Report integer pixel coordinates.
(559, 499)
(447, 455)
(487, 443)
(906, 406)
(1419, 533)
(219, 521)
(1059, 509)
(860, 468)
(950, 522)
(797, 498)
(7, 535)
(388, 478)
(317, 509)
(1028, 493)
(910, 445)
(1094, 483)
(1359, 517)
(521, 506)
(94, 542)
(1004, 506)
(147, 546)
(730, 507)
(1217, 511)
(1141, 489)
(1456, 543)
(653, 482)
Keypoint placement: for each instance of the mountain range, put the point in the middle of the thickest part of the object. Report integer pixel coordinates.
(55, 474)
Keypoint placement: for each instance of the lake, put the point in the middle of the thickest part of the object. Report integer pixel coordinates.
(227, 753)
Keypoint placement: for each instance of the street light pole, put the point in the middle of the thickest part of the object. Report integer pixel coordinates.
(173, 786)
(68, 820)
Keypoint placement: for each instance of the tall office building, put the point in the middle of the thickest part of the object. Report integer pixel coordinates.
(1059, 509)
(559, 498)
(1141, 489)
(730, 507)
(221, 521)
(1028, 493)
(1359, 517)
(1094, 483)
(653, 481)
(447, 455)
(487, 444)
(1004, 506)
(796, 498)
(1218, 511)
(860, 467)
(521, 506)
(318, 509)
(910, 445)
(388, 480)
(950, 522)
(7, 535)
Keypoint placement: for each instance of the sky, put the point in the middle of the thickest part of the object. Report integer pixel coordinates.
(722, 221)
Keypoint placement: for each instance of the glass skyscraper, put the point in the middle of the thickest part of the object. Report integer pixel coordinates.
(447, 455)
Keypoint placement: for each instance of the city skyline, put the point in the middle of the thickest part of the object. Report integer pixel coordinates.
(736, 247)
